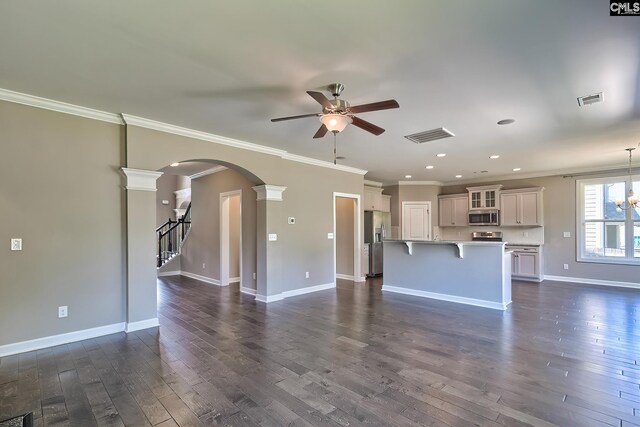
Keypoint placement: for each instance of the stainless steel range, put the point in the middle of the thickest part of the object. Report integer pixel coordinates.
(486, 236)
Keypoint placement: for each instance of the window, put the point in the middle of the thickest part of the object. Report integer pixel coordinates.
(607, 233)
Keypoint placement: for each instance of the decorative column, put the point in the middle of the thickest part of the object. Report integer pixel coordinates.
(142, 294)
(269, 242)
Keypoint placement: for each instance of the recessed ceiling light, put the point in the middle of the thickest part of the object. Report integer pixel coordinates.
(516, 169)
(494, 156)
(408, 176)
(441, 154)
(173, 165)
(458, 176)
(506, 122)
(430, 167)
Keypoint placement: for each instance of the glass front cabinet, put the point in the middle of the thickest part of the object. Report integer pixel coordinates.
(486, 197)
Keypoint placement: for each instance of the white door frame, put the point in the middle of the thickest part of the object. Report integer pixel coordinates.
(357, 237)
(224, 236)
(421, 202)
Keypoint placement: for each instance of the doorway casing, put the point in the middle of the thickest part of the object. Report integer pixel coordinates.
(357, 236)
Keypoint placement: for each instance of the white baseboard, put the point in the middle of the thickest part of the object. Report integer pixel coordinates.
(362, 279)
(205, 279)
(294, 292)
(248, 291)
(344, 276)
(53, 340)
(169, 273)
(450, 298)
(269, 298)
(598, 282)
(141, 324)
(234, 280)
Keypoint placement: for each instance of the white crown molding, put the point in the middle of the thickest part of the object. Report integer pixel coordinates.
(321, 163)
(141, 180)
(61, 107)
(211, 171)
(444, 297)
(141, 324)
(597, 282)
(269, 192)
(53, 340)
(419, 183)
(196, 134)
(372, 183)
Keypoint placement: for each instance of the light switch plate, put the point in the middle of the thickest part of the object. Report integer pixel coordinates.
(273, 237)
(330, 236)
(566, 234)
(165, 202)
(16, 244)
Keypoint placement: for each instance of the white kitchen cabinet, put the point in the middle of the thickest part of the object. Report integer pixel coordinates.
(374, 200)
(526, 262)
(486, 197)
(453, 210)
(521, 207)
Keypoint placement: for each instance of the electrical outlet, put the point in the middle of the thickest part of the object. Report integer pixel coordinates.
(273, 237)
(330, 236)
(566, 234)
(16, 244)
(525, 233)
(255, 276)
(306, 275)
(566, 266)
(63, 311)
(203, 266)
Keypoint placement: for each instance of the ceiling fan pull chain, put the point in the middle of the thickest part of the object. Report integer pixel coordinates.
(335, 152)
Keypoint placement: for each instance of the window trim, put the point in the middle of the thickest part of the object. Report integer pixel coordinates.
(580, 221)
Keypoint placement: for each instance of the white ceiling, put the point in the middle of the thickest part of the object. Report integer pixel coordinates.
(228, 67)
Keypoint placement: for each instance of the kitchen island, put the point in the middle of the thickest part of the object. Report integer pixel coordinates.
(467, 272)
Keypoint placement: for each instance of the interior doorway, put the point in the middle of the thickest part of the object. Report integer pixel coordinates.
(230, 237)
(347, 245)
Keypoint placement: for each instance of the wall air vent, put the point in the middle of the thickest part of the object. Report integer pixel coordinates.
(590, 99)
(429, 135)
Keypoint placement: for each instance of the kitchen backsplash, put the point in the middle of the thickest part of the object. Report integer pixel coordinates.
(514, 235)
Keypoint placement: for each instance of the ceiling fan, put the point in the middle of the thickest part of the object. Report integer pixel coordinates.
(337, 114)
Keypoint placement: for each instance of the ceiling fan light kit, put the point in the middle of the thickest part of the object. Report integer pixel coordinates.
(335, 122)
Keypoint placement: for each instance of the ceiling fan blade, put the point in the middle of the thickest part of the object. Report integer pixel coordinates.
(375, 106)
(321, 99)
(321, 132)
(295, 117)
(369, 127)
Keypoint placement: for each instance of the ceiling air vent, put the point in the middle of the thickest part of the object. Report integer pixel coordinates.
(590, 99)
(429, 135)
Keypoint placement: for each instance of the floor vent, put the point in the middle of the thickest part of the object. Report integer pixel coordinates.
(429, 135)
(590, 99)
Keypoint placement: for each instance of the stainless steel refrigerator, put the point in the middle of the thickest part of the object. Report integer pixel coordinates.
(377, 227)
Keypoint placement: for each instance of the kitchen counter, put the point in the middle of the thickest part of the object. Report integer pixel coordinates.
(468, 272)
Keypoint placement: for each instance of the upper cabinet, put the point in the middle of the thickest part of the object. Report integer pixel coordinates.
(453, 210)
(374, 200)
(522, 207)
(486, 197)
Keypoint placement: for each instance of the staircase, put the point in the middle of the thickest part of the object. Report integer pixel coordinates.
(171, 235)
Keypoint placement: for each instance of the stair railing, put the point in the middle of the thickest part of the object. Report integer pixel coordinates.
(171, 236)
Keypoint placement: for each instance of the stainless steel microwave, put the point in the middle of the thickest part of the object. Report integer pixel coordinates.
(484, 217)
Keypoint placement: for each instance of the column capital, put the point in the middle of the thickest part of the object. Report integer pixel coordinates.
(140, 179)
(269, 192)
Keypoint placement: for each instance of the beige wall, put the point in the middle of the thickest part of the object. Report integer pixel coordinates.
(62, 193)
(345, 228)
(300, 247)
(203, 244)
(560, 215)
(166, 185)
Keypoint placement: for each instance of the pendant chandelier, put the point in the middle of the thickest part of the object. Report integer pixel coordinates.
(632, 199)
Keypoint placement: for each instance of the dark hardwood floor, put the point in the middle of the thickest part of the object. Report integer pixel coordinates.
(562, 354)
